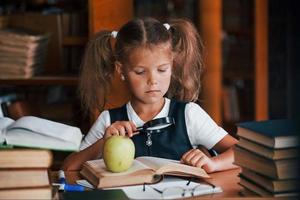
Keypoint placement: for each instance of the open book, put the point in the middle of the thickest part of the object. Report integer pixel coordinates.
(143, 170)
(36, 132)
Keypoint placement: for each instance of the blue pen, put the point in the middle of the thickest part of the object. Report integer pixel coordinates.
(63, 184)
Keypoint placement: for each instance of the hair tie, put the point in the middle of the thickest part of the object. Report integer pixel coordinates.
(167, 26)
(114, 34)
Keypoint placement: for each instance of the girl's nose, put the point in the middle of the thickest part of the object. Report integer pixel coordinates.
(152, 80)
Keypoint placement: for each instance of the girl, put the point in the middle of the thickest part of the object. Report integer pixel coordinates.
(156, 61)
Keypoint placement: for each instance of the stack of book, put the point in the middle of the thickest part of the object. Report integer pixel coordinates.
(22, 52)
(24, 174)
(268, 153)
(26, 154)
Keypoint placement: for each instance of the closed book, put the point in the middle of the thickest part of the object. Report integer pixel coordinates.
(277, 169)
(18, 35)
(22, 52)
(248, 193)
(268, 152)
(272, 185)
(144, 169)
(262, 192)
(96, 195)
(23, 178)
(25, 158)
(27, 193)
(281, 133)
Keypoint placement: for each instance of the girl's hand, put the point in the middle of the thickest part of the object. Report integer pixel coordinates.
(197, 158)
(120, 128)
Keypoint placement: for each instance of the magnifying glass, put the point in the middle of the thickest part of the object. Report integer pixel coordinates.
(156, 125)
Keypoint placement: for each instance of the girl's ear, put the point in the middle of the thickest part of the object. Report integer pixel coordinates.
(119, 69)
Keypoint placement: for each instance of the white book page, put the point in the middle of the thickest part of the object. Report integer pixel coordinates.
(100, 167)
(4, 123)
(49, 128)
(155, 162)
(25, 138)
(167, 185)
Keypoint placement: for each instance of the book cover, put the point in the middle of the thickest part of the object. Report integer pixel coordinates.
(268, 152)
(24, 178)
(27, 193)
(96, 195)
(250, 185)
(277, 169)
(270, 184)
(281, 133)
(25, 158)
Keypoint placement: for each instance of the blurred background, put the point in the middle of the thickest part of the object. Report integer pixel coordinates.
(251, 49)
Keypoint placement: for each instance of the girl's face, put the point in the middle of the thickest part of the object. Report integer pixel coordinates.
(148, 73)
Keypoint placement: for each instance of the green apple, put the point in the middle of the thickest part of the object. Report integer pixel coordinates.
(118, 153)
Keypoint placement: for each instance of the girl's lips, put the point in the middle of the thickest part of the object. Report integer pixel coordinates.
(152, 91)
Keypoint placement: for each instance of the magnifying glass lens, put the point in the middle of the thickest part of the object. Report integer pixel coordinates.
(158, 124)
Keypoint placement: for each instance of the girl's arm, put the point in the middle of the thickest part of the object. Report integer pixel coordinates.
(225, 158)
(75, 160)
(223, 161)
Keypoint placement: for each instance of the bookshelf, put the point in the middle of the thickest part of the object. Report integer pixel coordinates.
(45, 80)
(58, 73)
(212, 18)
(246, 64)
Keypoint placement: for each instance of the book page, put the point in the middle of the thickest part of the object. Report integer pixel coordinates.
(4, 123)
(48, 128)
(27, 138)
(99, 167)
(174, 167)
(155, 162)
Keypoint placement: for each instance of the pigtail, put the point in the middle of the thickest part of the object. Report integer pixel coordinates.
(97, 69)
(188, 64)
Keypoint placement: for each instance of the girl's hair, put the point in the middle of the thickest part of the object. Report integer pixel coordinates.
(97, 68)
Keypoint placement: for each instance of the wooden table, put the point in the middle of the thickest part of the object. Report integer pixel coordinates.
(227, 180)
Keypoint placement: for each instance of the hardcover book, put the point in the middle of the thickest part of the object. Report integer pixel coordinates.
(281, 133)
(272, 185)
(270, 153)
(24, 178)
(144, 170)
(277, 169)
(25, 158)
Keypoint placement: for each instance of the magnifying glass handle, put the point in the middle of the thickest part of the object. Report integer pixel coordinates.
(138, 129)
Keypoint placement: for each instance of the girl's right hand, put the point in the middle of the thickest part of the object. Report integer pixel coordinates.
(120, 128)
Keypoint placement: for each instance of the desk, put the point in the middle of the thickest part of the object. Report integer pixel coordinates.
(228, 180)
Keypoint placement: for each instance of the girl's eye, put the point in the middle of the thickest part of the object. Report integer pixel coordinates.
(162, 70)
(139, 72)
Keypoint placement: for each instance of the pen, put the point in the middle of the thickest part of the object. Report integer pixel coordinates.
(61, 177)
(67, 187)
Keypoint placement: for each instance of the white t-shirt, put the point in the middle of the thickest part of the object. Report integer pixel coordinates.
(201, 129)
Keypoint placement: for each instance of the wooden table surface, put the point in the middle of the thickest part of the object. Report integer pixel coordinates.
(227, 180)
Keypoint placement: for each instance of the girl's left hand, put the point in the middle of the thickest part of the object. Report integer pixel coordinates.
(197, 158)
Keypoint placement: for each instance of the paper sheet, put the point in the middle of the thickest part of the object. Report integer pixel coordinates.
(136, 192)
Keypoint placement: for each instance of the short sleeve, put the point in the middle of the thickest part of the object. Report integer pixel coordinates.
(97, 131)
(201, 128)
